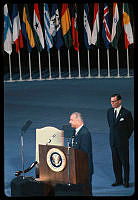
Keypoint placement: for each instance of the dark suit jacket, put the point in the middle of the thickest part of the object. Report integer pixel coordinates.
(120, 128)
(83, 141)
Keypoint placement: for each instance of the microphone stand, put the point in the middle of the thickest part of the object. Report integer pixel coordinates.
(68, 161)
(23, 129)
(68, 131)
(22, 152)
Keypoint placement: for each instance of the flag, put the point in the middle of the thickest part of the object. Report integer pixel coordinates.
(27, 30)
(53, 21)
(95, 32)
(66, 25)
(56, 27)
(75, 28)
(127, 26)
(48, 37)
(17, 34)
(87, 30)
(38, 33)
(116, 29)
(7, 31)
(105, 29)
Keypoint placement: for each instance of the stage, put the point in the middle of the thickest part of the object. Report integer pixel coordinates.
(50, 103)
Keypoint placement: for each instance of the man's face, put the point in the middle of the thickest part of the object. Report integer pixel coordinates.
(73, 121)
(115, 103)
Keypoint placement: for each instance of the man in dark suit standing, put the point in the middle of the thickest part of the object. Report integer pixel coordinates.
(81, 139)
(121, 127)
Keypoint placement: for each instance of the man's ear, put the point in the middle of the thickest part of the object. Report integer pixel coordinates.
(120, 101)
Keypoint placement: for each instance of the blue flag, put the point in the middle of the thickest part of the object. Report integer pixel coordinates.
(105, 29)
(7, 31)
(48, 37)
(56, 30)
(87, 30)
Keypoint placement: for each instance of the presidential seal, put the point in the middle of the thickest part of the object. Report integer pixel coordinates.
(56, 159)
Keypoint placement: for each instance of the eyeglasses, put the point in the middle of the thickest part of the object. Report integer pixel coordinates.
(114, 101)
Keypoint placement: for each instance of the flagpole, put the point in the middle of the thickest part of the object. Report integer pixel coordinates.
(118, 64)
(79, 64)
(108, 63)
(20, 66)
(128, 64)
(98, 63)
(30, 66)
(89, 75)
(10, 67)
(69, 63)
(39, 65)
(59, 64)
(49, 65)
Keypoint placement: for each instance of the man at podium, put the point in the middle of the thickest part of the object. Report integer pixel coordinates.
(81, 139)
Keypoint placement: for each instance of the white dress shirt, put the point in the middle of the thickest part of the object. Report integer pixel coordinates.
(76, 132)
(117, 110)
(77, 129)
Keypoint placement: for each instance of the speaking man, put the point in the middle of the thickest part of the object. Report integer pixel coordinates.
(81, 139)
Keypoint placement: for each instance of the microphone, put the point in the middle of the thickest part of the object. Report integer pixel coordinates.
(26, 125)
(72, 140)
(51, 138)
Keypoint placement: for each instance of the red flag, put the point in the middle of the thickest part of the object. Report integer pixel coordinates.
(66, 25)
(75, 28)
(127, 26)
(38, 33)
(17, 34)
(105, 30)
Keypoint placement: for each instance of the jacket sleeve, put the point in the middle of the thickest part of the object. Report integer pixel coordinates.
(108, 119)
(86, 144)
(130, 124)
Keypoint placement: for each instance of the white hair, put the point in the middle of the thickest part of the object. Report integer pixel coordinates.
(78, 115)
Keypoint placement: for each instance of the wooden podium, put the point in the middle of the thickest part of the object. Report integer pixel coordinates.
(63, 165)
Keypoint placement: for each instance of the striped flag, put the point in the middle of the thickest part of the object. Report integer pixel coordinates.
(38, 33)
(95, 32)
(27, 30)
(116, 29)
(127, 26)
(75, 28)
(7, 31)
(87, 30)
(56, 30)
(17, 34)
(66, 25)
(105, 29)
(48, 37)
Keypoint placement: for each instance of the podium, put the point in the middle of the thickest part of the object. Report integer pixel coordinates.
(54, 165)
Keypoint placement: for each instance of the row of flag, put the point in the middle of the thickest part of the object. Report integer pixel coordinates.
(56, 28)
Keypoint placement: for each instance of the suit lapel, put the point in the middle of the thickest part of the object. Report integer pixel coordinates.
(120, 114)
(79, 132)
(113, 115)
(76, 138)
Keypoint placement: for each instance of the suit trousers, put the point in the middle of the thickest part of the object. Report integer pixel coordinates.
(120, 159)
